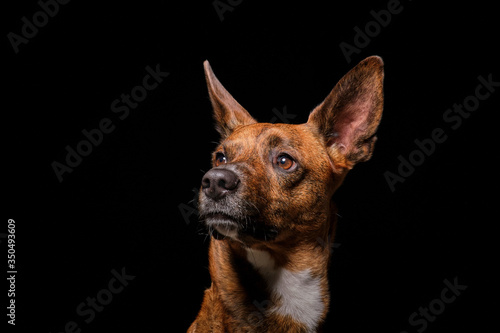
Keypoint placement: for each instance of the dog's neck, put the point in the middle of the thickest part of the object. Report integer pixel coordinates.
(283, 285)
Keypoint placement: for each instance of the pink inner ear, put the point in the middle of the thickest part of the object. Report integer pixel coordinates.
(352, 121)
(349, 116)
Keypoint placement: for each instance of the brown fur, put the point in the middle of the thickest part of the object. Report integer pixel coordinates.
(339, 133)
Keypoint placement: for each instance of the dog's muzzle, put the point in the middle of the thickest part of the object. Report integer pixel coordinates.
(224, 210)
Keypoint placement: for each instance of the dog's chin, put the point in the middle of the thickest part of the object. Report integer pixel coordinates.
(221, 226)
(224, 228)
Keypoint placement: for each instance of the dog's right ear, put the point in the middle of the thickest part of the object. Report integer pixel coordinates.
(228, 113)
(349, 116)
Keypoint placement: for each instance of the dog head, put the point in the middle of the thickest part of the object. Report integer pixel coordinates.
(270, 182)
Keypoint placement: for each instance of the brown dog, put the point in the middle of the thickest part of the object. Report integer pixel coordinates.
(267, 202)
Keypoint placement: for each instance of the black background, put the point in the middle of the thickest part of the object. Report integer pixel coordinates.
(123, 206)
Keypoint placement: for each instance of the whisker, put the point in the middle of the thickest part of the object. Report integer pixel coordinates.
(251, 204)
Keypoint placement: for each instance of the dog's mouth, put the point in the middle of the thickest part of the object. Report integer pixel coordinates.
(221, 225)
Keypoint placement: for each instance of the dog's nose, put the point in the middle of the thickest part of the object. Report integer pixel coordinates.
(216, 183)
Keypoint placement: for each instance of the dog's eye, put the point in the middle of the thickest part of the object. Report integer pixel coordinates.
(220, 158)
(285, 162)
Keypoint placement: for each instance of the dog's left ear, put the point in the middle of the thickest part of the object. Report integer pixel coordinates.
(228, 113)
(349, 116)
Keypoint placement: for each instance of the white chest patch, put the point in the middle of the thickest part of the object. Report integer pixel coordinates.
(299, 292)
